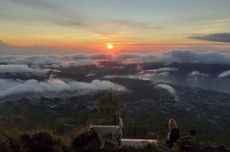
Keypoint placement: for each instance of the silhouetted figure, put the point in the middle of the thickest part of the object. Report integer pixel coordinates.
(188, 143)
(174, 133)
(191, 137)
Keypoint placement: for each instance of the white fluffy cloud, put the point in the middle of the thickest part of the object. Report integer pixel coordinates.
(53, 61)
(138, 76)
(161, 72)
(197, 73)
(36, 60)
(54, 87)
(22, 69)
(165, 69)
(224, 74)
(167, 88)
(146, 74)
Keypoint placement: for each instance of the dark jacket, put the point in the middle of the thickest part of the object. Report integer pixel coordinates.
(174, 136)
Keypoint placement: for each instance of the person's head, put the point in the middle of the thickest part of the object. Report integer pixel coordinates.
(172, 124)
(192, 132)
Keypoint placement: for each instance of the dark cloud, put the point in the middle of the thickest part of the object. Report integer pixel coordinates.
(216, 37)
(37, 4)
(134, 24)
(107, 26)
(102, 57)
(191, 56)
(55, 13)
(1, 43)
(79, 23)
(61, 16)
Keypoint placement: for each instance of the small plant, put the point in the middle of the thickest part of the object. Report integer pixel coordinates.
(111, 105)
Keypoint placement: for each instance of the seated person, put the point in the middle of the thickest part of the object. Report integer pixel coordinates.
(188, 142)
(191, 137)
(173, 134)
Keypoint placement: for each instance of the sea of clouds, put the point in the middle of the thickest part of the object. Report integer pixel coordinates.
(190, 56)
(41, 65)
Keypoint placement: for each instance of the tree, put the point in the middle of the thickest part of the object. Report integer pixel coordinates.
(111, 105)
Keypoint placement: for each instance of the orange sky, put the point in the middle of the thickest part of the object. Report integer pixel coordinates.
(130, 25)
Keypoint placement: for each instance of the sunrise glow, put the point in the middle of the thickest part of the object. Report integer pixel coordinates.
(109, 46)
(122, 73)
(108, 26)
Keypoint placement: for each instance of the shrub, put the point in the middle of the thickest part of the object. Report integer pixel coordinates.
(40, 142)
(86, 142)
(4, 144)
(9, 142)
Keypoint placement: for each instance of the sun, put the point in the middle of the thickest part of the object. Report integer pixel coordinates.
(110, 46)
